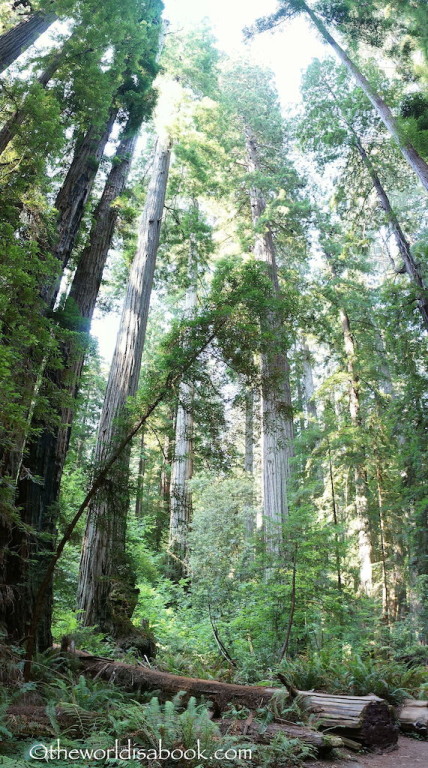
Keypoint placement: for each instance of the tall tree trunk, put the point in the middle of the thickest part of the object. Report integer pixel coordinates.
(335, 520)
(45, 458)
(182, 463)
(382, 537)
(16, 40)
(250, 523)
(140, 477)
(103, 570)
(276, 407)
(360, 474)
(72, 197)
(308, 382)
(164, 509)
(416, 162)
(403, 245)
(249, 431)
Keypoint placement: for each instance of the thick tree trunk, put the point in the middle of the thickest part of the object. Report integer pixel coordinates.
(360, 474)
(182, 465)
(103, 570)
(416, 162)
(276, 407)
(368, 719)
(74, 194)
(15, 41)
(70, 204)
(181, 473)
(46, 453)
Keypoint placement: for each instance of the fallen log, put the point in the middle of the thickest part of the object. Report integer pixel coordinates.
(26, 721)
(141, 679)
(263, 734)
(33, 722)
(366, 719)
(413, 717)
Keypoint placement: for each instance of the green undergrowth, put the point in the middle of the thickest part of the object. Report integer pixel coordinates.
(344, 671)
(99, 713)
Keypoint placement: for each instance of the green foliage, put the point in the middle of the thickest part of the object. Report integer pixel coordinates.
(344, 670)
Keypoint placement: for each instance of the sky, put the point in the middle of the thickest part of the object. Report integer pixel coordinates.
(287, 52)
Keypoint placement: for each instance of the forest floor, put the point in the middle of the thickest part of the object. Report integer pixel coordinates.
(411, 753)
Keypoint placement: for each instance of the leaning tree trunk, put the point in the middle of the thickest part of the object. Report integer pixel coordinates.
(416, 162)
(411, 267)
(182, 463)
(276, 407)
(403, 245)
(106, 595)
(72, 197)
(16, 40)
(46, 453)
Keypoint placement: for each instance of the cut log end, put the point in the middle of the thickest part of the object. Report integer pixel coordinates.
(379, 726)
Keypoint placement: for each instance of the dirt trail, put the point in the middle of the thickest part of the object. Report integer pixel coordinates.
(411, 753)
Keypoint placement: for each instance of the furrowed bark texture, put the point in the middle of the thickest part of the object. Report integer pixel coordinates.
(74, 193)
(15, 41)
(416, 162)
(103, 569)
(276, 408)
(182, 467)
(46, 452)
